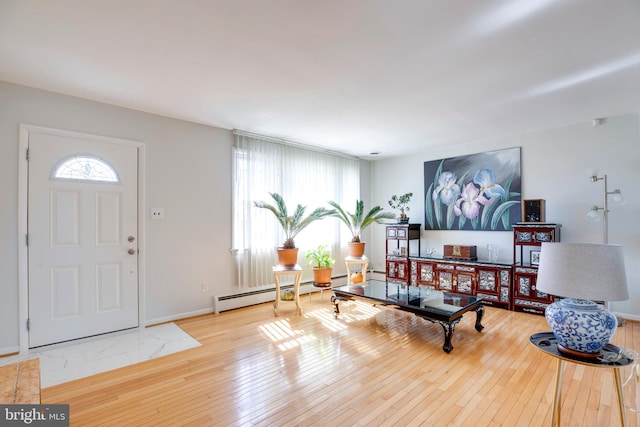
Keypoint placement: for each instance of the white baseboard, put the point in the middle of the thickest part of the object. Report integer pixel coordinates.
(245, 299)
(9, 351)
(627, 316)
(222, 303)
(178, 316)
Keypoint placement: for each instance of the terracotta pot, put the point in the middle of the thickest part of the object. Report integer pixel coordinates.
(357, 277)
(287, 257)
(322, 276)
(356, 250)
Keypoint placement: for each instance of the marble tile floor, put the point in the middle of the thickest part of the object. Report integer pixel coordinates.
(65, 362)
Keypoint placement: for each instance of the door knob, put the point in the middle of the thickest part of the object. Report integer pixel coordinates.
(131, 239)
(132, 251)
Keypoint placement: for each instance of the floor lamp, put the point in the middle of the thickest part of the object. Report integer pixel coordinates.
(594, 214)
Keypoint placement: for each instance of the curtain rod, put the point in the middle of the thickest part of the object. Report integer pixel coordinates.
(292, 144)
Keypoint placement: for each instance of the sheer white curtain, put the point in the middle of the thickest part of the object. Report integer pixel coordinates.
(302, 176)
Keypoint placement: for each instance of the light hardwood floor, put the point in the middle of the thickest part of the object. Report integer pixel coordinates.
(372, 366)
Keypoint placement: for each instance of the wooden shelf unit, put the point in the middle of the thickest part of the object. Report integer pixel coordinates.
(527, 239)
(398, 249)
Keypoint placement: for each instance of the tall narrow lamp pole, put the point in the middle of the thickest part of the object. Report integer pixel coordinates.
(605, 209)
(593, 213)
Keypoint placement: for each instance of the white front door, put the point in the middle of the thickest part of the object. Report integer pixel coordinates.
(82, 237)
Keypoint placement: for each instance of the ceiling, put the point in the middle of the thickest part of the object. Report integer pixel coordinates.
(355, 76)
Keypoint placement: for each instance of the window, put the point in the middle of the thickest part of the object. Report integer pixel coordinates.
(302, 176)
(85, 168)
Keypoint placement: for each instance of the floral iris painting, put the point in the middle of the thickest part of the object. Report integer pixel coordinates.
(474, 192)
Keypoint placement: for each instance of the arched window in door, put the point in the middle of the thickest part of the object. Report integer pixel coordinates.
(85, 168)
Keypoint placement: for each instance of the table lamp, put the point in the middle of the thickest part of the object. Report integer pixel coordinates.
(581, 273)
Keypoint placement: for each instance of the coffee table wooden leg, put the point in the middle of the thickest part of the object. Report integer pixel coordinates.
(336, 310)
(449, 328)
(448, 333)
(335, 299)
(479, 312)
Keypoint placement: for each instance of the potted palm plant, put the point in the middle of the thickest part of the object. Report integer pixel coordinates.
(291, 225)
(359, 221)
(321, 261)
(401, 202)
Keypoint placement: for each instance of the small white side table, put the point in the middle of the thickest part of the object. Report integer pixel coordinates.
(296, 272)
(352, 262)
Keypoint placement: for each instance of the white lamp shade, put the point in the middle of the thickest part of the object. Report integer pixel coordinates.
(618, 198)
(582, 270)
(594, 214)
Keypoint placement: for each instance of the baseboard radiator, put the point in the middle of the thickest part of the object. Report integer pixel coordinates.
(259, 296)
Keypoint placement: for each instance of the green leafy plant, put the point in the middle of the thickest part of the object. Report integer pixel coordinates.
(359, 220)
(320, 257)
(401, 202)
(292, 224)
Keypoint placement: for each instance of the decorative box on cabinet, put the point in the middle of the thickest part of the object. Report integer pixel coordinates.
(492, 281)
(527, 239)
(398, 248)
(461, 252)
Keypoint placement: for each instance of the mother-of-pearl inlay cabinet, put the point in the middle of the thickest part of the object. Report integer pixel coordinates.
(508, 286)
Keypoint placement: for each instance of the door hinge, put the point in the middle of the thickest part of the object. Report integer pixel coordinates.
(27, 156)
(26, 239)
(28, 324)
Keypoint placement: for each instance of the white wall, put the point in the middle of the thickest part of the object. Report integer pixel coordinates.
(188, 173)
(555, 166)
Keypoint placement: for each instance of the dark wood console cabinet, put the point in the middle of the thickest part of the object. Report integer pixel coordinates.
(492, 281)
(508, 286)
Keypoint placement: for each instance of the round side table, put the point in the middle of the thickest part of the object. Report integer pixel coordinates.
(612, 358)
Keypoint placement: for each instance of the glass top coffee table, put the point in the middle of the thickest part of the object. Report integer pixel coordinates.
(444, 308)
